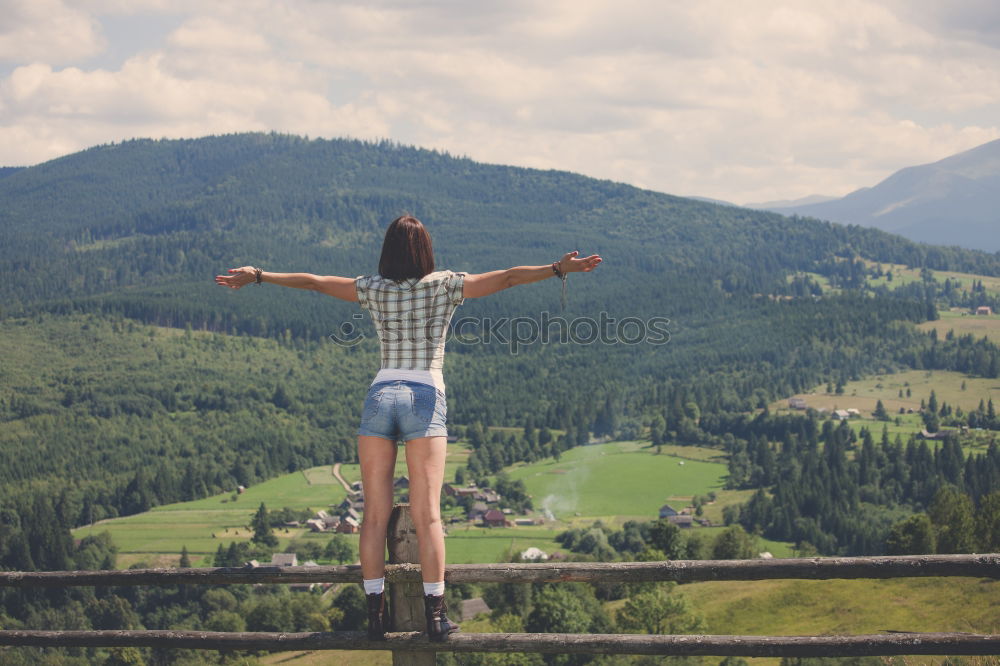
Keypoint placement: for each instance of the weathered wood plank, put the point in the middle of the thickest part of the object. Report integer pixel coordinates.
(406, 598)
(705, 645)
(815, 568)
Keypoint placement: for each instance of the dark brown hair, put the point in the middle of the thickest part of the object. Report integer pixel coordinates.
(406, 251)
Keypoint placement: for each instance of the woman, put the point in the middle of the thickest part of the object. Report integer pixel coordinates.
(411, 305)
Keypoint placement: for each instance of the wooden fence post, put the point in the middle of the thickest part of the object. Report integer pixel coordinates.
(406, 600)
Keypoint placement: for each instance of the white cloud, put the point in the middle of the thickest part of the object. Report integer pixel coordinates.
(750, 101)
(46, 31)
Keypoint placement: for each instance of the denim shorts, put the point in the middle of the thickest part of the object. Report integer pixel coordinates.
(403, 410)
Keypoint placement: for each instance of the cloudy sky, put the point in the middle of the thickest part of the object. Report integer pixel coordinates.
(743, 101)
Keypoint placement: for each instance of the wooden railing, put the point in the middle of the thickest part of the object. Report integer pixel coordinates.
(410, 646)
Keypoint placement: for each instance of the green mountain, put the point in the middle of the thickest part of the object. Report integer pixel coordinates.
(96, 245)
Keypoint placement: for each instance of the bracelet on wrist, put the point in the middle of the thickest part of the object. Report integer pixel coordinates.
(558, 272)
(257, 273)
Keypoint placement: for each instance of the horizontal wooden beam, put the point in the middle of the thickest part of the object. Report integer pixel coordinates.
(816, 568)
(705, 645)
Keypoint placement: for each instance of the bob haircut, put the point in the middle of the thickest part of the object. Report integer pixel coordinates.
(406, 251)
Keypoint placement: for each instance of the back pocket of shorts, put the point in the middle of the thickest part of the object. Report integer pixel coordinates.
(425, 400)
(370, 408)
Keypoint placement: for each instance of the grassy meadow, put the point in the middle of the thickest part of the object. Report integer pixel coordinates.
(954, 388)
(902, 275)
(612, 482)
(963, 323)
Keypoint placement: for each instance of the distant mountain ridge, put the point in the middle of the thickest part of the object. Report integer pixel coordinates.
(789, 203)
(954, 201)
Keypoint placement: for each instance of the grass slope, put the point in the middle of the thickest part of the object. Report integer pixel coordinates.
(616, 480)
(865, 393)
(963, 323)
(612, 482)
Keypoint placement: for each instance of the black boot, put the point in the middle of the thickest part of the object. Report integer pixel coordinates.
(438, 624)
(377, 619)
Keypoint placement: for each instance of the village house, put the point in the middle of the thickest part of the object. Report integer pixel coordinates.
(473, 607)
(797, 403)
(459, 491)
(487, 495)
(681, 521)
(284, 560)
(402, 483)
(841, 414)
(494, 518)
(477, 511)
(984, 310)
(348, 525)
(666, 511)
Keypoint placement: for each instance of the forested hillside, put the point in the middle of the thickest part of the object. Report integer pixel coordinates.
(98, 245)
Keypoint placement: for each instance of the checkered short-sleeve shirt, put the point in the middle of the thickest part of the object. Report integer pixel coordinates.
(411, 317)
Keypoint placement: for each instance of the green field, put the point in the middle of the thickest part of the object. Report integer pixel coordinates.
(612, 482)
(864, 394)
(902, 275)
(963, 323)
(615, 482)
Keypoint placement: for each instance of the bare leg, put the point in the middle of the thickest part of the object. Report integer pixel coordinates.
(425, 462)
(378, 462)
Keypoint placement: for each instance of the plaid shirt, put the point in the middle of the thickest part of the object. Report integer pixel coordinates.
(411, 317)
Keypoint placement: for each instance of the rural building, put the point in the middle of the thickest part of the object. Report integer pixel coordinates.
(766, 555)
(666, 511)
(984, 310)
(357, 487)
(316, 525)
(473, 607)
(478, 510)
(842, 414)
(681, 521)
(401, 482)
(534, 554)
(351, 513)
(284, 560)
(348, 525)
(797, 403)
(494, 518)
(487, 495)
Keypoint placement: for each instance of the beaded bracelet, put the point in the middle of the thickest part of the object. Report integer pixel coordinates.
(257, 273)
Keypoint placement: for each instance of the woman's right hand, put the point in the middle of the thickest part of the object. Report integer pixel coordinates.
(238, 277)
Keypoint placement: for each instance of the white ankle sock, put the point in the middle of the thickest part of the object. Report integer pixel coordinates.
(375, 585)
(434, 589)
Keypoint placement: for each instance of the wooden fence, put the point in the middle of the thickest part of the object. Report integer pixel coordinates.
(410, 646)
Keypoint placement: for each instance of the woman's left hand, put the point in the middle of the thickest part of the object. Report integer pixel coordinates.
(238, 277)
(570, 264)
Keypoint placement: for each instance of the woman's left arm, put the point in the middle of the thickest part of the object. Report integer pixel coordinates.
(484, 284)
(331, 285)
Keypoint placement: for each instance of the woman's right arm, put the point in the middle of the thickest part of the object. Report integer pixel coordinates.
(331, 285)
(484, 284)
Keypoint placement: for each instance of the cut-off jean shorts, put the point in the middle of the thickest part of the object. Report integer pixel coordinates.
(402, 410)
